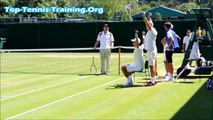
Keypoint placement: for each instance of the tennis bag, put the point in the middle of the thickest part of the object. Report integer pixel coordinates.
(209, 83)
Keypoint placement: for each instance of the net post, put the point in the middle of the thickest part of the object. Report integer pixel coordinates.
(119, 59)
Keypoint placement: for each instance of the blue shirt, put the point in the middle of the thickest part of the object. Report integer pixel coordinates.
(171, 33)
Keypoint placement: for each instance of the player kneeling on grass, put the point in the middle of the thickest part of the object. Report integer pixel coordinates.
(138, 61)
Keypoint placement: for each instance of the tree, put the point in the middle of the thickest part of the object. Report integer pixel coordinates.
(158, 16)
(186, 7)
(210, 5)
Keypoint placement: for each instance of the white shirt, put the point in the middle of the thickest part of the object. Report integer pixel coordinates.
(138, 60)
(105, 39)
(150, 40)
(186, 40)
(169, 34)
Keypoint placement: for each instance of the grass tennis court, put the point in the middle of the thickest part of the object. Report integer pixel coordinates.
(61, 88)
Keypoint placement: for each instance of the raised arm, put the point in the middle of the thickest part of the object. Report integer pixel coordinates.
(136, 37)
(148, 23)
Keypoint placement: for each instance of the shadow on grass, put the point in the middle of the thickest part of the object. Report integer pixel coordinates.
(194, 77)
(185, 82)
(89, 74)
(120, 86)
(199, 107)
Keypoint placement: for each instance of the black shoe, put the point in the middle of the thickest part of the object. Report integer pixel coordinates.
(151, 84)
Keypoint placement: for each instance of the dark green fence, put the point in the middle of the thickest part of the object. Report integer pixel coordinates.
(73, 35)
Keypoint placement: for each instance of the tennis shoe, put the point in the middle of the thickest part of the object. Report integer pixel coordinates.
(151, 83)
(167, 79)
(172, 79)
(166, 75)
(127, 84)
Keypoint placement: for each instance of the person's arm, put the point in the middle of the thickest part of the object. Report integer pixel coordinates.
(112, 41)
(163, 41)
(136, 37)
(147, 23)
(170, 42)
(179, 38)
(96, 43)
(183, 46)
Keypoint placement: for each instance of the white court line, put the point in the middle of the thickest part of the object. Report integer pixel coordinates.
(60, 100)
(43, 88)
(3, 97)
(6, 98)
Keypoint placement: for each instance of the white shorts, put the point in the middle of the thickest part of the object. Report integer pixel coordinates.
(151, 55)
(133, 67)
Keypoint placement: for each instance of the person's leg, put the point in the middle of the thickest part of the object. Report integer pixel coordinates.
(127, 74)
(152, 71)
(191, 56)
(102, 61)
(156, 72)
(165, 64)
(171, 62)
(151, 60)
(170, 68)
(190, 62)
(108, 54)
(124, 70)
(167, 69)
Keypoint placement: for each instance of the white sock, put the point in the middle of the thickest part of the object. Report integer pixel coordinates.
(169, 74)
(130, 77)
(153, 79)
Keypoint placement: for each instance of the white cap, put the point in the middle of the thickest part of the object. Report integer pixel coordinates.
(172, 27)
(139, 40)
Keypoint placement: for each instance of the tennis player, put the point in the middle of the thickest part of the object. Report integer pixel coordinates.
(171, 44)
(166, 60)
(106, 40)
(150, 46)
(138, 61)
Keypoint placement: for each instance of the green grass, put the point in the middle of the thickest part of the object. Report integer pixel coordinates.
(65, 89)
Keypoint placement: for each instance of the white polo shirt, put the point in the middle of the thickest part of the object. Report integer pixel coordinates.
(105, 39)
(138, 60)
(150, 40)
(186, 40)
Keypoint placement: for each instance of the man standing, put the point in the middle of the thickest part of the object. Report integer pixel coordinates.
(186, 40)
(150, 46)
(171, 43)
(174, 45)
(106, 40)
